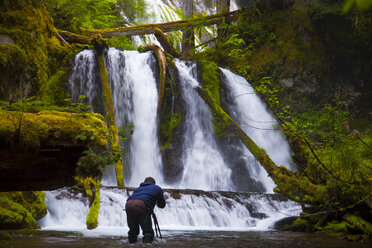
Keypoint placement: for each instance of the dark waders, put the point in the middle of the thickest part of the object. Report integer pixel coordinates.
(140, 215)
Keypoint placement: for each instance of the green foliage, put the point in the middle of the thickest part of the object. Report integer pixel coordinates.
(362, 5)
(122, 42)
(83, 15)
(134, 10)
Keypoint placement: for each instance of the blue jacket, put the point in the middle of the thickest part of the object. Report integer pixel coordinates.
(150, 194)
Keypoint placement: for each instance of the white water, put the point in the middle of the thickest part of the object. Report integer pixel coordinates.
(203, 163)
(256, 120)
(135, 97)
(160, 11)
(84, 77)
(67, 211)
(251, 114)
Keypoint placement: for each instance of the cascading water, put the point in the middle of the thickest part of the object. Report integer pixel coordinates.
(256, 120)
(159, 11)
(184, 211)
(84, 80)
(251, 114)
(204, 167)
(135, 98)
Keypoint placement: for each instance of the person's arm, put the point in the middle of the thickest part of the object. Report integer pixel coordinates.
(161, 201)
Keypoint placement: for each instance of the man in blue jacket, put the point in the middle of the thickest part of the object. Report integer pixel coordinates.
(139, 208)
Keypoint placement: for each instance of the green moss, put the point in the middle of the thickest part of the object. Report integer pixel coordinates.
(54, 91)
(122, 42)
(338, 227)
(357, 223)
(29, 131)
(21, 209)
(167, 129)
(110, 116)
(5, 236)
(36, 54)
(210, 79)
(92, 217)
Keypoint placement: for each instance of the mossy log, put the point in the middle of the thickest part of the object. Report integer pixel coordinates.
(75, 38)
(92, 217)
(166, 43)
(110, 117)
(149, 28)
(162, 67)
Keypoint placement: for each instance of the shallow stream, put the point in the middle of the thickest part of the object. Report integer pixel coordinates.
(267, 239)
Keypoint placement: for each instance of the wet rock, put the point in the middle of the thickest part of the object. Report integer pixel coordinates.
(5, 39)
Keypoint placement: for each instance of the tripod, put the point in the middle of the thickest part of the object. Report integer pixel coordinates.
(156, 224)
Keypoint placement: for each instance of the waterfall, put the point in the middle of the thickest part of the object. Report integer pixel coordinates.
(208, 163)
(84, 80)
(135, 98)
(204, 167)
(251, 114)
(184, 211)
(256, 120)
(160, 11)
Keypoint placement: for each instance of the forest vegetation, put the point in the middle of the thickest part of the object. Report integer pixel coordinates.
(309, 60)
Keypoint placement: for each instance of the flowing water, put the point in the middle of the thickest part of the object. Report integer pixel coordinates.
(135, 97)
(251, 114)
(193, 214)
(204, 167)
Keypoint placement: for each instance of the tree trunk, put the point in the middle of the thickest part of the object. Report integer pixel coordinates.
(110, 115)
(223, 6)
(188, 40)
(166, 43)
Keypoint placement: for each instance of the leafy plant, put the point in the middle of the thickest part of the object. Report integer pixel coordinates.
(83, 15)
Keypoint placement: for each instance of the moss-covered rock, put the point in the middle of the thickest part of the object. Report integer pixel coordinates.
(171, 118)
(40, 151)
(27, 64)
(21, 209)
(32, 130)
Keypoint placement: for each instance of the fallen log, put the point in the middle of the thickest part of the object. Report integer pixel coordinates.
(149, 28)
(166, 43)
